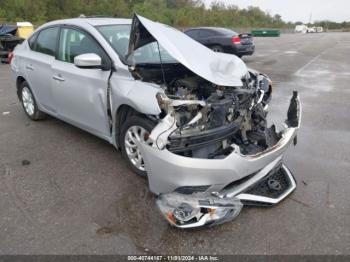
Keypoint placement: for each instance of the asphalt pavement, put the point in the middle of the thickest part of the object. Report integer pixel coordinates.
(64, 191)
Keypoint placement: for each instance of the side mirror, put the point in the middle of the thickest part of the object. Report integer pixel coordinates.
(88, 61)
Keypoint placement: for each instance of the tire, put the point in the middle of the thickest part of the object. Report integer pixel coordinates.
(142, 126)
(217, 48)
(29, 104)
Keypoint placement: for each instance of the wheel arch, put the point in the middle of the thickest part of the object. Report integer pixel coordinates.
(19, 81)
(123, 112)
(217, 45)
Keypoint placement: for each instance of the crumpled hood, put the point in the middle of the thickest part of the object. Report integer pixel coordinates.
(218, 68)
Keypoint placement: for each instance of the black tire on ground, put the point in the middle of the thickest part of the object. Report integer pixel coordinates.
(217, 48)
(137, 121)
(37, 114)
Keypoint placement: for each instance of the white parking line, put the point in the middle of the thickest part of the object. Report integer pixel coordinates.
(298, 73)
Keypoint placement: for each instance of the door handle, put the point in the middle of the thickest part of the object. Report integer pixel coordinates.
(58, 78)
(30, 67)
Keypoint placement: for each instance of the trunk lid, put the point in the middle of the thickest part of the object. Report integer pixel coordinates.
(246, 39)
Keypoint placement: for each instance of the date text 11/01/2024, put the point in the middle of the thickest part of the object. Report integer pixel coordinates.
(174, 258)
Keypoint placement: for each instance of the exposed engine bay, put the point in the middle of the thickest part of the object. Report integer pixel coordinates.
(201, 120)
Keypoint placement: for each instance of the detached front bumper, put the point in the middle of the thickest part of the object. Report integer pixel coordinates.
(187, 185)
(213, 208)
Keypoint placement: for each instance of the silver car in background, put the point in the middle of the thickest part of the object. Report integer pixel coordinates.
(193, 121)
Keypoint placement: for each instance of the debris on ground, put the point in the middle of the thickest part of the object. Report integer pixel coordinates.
(25, 162)
(104, 231)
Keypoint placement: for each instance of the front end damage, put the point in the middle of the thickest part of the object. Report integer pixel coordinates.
(196, 189)
(211, 151)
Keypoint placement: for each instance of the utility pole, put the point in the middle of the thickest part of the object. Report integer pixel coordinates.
(310, 19)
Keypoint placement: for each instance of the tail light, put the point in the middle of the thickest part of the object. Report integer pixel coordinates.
(236, 40)
(10, 57)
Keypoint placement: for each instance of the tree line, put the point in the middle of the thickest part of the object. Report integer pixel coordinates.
(178, 13)
(333, 25)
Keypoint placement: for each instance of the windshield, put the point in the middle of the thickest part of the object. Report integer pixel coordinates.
(118, 37)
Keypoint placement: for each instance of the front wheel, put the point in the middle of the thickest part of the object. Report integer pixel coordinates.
(134, 131)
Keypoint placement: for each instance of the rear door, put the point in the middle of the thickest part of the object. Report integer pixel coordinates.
(80, 94)
(193, 33)
(200, 35)
(207, 37)
(37, 64)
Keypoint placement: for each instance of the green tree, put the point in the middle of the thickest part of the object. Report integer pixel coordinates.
(179, 13)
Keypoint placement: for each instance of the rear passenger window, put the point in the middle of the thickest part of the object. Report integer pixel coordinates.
(31, 41)
(206, 33)
(46, 41)
(192, 33)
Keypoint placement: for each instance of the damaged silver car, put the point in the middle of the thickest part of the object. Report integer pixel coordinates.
(193, 121)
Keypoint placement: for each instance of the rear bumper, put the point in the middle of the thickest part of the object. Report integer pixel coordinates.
(245, 53)
(231, 179)
(245, 49)
(241, 49)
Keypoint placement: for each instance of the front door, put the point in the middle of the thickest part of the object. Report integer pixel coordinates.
(80, 94)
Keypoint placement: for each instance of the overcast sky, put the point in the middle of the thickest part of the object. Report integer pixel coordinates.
(299, 10)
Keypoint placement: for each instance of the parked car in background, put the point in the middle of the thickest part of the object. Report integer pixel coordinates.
(305, 29)
(301, 29)
(319, 29)
(12, 35)
(223, 40)
(312, 29)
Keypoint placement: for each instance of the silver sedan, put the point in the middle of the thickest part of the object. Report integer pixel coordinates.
(192, 120)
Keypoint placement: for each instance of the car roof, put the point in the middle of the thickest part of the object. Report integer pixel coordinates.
(93, 21)
(206, 28)
(220, 30)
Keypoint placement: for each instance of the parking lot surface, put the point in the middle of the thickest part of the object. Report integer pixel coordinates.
(64, 191)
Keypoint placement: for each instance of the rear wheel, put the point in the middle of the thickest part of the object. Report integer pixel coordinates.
(29, 104)
(217, 48)
(134, 131)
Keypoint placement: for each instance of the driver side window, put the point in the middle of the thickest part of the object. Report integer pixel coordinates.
(74, 42)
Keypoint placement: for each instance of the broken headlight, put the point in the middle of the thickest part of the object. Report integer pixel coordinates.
(198, 209)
